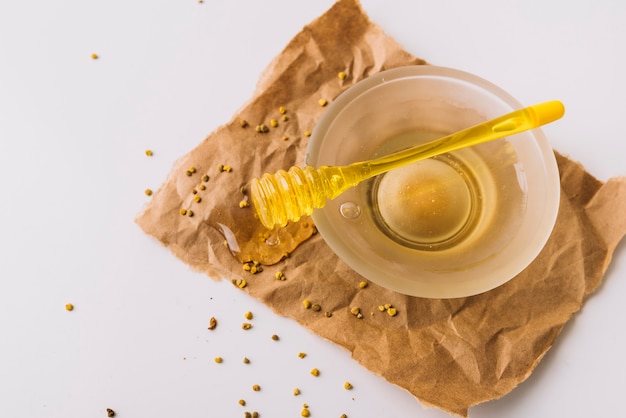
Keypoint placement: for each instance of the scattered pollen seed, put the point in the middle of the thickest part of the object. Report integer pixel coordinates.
(202, 187)
(249, 315)
(246, 360)
(243, 123)
(205, 178)
(110, 413)
(94, 56)
(253, 267)
(262, 128)
(197, 199)
(296, 392)
(244, 204)
(148, 192)
(356, 312)
(307, 133)
(183, 212)
(315, 372)
(246, 326)
(149, 153)
(285, 138)
(322, 102)
(282, 110)
(391, 311)
(190, 213)
(347, 386)
(306, 303)
(305, 413)
(275, 337)
(285, 118)
(273, 123)
(279, 275)
(242, 402)
(363, 284)
(301, 355)
(212, 323)
(69, 307)
(218, 360)
(316, 308)
(256, 388)
(240, 283)
(342, 75)
(343, 416)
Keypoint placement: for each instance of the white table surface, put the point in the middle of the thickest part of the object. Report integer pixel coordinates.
(73, 172)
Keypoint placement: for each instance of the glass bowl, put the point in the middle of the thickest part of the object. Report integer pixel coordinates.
(455, 225)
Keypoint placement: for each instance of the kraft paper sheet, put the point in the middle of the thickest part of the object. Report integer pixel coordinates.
(451, 354)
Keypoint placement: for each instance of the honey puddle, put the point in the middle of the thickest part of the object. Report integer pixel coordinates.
(253, 242)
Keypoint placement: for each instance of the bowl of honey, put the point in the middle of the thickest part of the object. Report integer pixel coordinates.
(454, 225)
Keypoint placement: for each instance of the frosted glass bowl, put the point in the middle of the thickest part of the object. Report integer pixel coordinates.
(457, 225)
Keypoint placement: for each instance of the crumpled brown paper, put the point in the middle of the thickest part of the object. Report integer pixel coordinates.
(452, 353)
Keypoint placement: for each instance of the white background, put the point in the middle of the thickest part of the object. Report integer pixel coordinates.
(73, 172)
